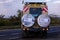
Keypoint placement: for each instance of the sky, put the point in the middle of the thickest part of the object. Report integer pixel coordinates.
(10, 7)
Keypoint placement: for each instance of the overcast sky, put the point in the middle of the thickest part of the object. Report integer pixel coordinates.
(10, 7)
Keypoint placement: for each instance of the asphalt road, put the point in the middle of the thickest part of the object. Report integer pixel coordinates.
(16, 34)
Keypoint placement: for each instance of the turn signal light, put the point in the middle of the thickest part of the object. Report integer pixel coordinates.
(43, 29)
(27, 28)
(47, 28)
(23, 28)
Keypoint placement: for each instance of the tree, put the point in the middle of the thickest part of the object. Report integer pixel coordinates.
(19, 16)
(2, 16)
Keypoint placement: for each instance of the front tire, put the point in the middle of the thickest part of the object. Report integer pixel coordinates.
(24, 34)
(44, 34)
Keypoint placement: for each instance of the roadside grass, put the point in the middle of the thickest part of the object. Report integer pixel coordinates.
(9, 27)
(55, 21)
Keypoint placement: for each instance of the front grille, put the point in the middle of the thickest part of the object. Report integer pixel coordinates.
(36, 24)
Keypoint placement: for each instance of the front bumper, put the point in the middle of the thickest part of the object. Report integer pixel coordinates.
(36, 29)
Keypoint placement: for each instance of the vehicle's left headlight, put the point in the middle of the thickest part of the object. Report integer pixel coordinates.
(43, 20)
(27, 20)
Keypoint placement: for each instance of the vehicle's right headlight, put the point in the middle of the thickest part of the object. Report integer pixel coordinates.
(43, 20)
(27, 20)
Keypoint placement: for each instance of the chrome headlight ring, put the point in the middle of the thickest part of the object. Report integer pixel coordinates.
(43, 20)
(28, 20)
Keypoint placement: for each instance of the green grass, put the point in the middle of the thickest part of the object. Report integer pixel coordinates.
(9, 27)
(55, 21)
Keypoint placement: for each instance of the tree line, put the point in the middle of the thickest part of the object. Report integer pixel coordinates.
(12, 20)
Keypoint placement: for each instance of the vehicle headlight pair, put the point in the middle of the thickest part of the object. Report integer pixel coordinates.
(28, 20)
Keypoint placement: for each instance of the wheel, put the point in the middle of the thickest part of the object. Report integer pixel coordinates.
(44, 34)
(24, 34)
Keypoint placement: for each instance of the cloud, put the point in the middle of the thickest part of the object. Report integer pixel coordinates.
(6, 1)
(48, 0)
(54, 7)
(10, 9)
(55, 2)
(37, 0)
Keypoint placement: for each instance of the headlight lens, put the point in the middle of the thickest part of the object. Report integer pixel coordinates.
(28, 20)
(43, 20)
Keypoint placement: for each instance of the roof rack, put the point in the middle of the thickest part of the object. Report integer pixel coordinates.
(44, 3)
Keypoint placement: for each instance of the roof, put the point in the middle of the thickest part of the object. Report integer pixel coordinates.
(34, 1)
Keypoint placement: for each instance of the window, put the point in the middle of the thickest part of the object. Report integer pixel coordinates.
(35, 11)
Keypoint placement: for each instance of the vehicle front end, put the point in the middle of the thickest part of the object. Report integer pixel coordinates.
(36, 19)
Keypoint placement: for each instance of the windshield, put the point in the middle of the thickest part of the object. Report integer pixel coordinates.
(35, 11)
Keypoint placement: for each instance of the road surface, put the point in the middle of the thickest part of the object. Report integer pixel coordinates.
(16, 34)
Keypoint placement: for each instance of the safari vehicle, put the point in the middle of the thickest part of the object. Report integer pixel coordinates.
(35, 18)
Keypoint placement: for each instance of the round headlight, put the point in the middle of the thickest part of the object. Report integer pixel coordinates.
(43, 20)
(27, 20)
